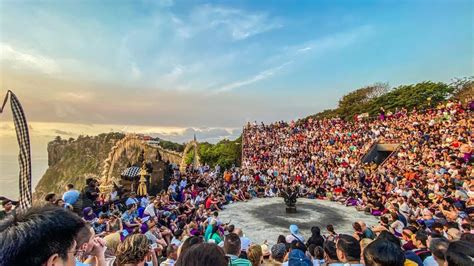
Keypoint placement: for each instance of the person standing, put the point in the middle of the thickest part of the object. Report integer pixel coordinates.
(90, 193)
(71, 196)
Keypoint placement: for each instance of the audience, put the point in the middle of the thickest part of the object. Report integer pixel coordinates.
(40, 236)
(423, 193)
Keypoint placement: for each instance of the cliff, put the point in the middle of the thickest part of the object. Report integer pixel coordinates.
(72, 161)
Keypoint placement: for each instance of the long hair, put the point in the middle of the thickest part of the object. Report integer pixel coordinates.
(255, 254)
(203, 254)
(133, 249)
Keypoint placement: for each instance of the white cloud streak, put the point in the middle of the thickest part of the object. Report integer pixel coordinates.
(235, 23)
(260, 76)
(316, 47)
(27, 60)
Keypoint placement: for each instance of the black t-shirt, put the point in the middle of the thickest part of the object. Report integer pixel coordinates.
(423, 253)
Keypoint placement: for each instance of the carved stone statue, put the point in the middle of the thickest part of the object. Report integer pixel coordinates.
(290, 196)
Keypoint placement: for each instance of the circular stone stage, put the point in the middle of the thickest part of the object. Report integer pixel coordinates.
(265, 218)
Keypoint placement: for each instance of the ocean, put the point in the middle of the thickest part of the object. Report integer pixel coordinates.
(9, 170)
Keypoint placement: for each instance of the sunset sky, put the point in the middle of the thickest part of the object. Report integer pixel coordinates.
(178, 68)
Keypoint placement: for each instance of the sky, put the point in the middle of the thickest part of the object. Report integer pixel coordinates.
(174, 68)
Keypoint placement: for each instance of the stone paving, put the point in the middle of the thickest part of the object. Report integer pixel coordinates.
(265, 218)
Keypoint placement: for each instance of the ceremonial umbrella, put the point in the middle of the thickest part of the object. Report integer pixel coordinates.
(131, 171)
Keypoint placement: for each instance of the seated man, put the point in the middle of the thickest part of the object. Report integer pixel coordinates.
(232, 250)
(7, 209)
(383, 252)
(40, 236)
(348, 250)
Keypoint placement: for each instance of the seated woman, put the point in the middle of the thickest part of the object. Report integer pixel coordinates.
(215, 236)
(130, 218)
(135, 250)
(114, 223)
(88, 215)
(382, 226)
(152, 232)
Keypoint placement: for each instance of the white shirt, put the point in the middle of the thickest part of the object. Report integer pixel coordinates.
(150, 210)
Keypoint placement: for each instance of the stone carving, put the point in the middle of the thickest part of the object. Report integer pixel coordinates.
(290, 195)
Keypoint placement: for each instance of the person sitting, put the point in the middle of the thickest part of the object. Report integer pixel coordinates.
(297, 256)
(215, 237)
(212, 203)
(232, 250)
(459, 253)
(421, 250)
(203, 254)
(7, 209)
(438, 247)
(114, 223)
(188, 243)
(88, 215)
(316, 237)
(100, 225)
(383, 253)
(50, 198)
(132, 199)
(130, 218)
(171, 256)
(366, 231)
(245, 242)
(294, 234)
(135, 250)
(255, 255)
(89, 247)
(40, 236)
(317, 254)
(410, 256)
(330, 253)
(348, 250)
(71, 196)
(278, 253)
(177, 238)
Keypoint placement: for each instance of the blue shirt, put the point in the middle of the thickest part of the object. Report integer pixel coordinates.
(71, 196)
(129, 217)
(131, 201)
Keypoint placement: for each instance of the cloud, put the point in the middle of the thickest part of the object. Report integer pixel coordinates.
(211, 135)
(293, 53)
(65, 133)
(22, 59)
(260, 76)
(332, 42)
(235, 23)
(135, 72)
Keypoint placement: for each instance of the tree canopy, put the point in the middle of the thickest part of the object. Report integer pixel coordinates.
(422, 95)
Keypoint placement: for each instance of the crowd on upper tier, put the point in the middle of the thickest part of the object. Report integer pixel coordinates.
(423, 194)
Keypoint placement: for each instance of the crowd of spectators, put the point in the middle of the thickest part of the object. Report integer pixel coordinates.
(423, 193)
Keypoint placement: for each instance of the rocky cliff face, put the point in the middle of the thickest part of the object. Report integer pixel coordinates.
(72, 161)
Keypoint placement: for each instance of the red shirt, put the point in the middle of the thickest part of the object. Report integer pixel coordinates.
(208, 203)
